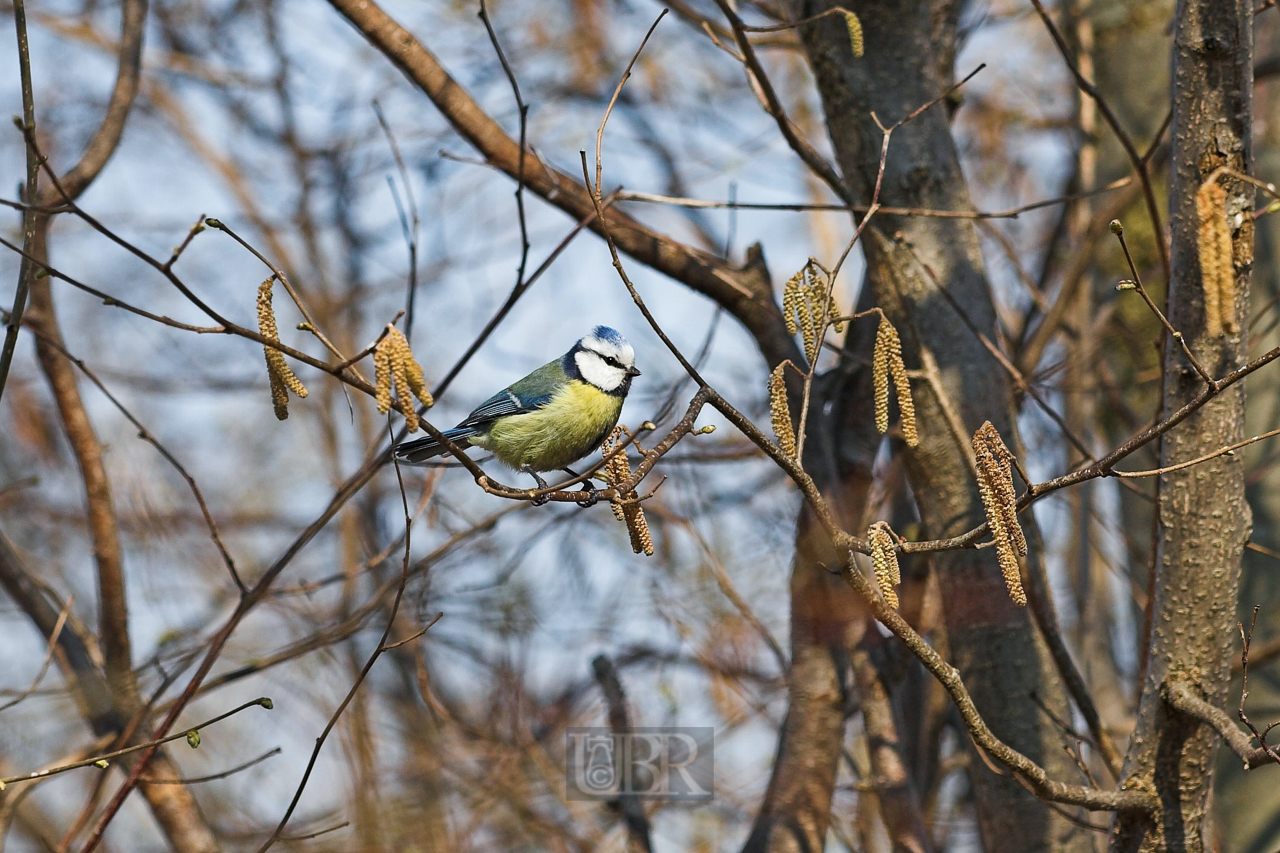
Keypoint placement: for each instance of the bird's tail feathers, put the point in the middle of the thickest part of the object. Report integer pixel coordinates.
(420, 450)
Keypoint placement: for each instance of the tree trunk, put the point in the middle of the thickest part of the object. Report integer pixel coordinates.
(1003, 659)
(1203, 516)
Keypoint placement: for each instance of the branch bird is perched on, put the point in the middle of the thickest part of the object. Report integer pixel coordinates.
(552, 417)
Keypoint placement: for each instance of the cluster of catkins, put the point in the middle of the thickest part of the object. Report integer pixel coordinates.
(995, 483)
(626, 508)
(394, 361)
(282, 377)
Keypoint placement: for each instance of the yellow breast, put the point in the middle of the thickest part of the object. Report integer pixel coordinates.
(569, 427)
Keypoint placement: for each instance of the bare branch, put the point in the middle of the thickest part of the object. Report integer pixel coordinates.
(632, 809)
(102, 760)
(745, 292)
(1180, 696)
(28, 124)
(1138, 162)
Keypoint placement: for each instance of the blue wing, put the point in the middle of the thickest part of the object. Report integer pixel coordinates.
(527, 395)
(505, 402)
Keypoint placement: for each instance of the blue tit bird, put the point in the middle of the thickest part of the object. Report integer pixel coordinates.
(557, 414)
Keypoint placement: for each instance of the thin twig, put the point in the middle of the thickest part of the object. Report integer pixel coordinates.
(928, 212)
(1245, 641)
(1126, 141)
(409, 227)
(598, 201)
(106, 757)
(52, 646)
(308, 836)
(773, 106)
(373, 658)
(147, 436)
(30, 196)
(1222, 451)
(283, 279)
(1118, 230)
(523, 110)
(516, 292)
(196, 780)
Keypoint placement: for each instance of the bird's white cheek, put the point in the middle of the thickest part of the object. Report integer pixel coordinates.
(599, 374)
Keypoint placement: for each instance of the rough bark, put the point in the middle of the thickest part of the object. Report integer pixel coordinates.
(994, 644)
(1203, 516)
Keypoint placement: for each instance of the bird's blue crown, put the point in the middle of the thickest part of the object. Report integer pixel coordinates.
(612, 336)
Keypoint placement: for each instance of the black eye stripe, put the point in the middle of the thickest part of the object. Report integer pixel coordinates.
(607, 359)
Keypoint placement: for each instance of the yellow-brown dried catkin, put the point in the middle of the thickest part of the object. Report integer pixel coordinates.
(625, 507)
(382, 375)
(854, 26)
(409, 371)
(887, 344)
(617, 468)
(1005, 555)
(638, 529)
(780, 412)
(1002, 483)
(884, 560)
(808, 328)
(279, 396)
(282, 378)
(906, 404)
(995, 484)
(398, 352)
(290, 378)
(410, 413)
(1012, 573)
(790, 301)
(1217, 272)
(266, 316)
(833, 314)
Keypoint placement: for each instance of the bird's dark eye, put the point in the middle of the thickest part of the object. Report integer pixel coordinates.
(612, 362)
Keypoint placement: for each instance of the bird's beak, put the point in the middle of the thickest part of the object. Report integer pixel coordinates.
(631, 371)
